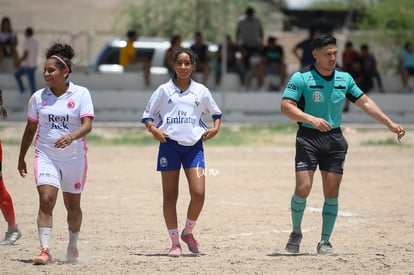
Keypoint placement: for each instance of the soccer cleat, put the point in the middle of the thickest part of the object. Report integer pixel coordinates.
(72, 254)
(44, 257)
(12, 235)
(293, 244)
(175, 251)
(192, 244)
(325, 248)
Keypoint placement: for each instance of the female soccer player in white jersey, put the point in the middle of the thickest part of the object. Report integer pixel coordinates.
(173, 116)
(60, 116)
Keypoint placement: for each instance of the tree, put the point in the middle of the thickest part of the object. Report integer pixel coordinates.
(390, 19)
(168, 17)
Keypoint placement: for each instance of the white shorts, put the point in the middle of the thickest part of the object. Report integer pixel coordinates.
(68, 175)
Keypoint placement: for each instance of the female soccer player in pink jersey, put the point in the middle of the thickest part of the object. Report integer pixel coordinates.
(58, 117)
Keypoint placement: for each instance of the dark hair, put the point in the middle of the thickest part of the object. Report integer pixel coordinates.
(249, 11)
(29, 31)
(364, 47)
(323, 40)
(271, 39)
(175, 38)
(65, 52)
(131, 33)
(189, 52)
(5, 20)
(349, 44)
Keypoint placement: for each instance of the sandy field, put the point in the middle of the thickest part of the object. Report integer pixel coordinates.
(245, 223)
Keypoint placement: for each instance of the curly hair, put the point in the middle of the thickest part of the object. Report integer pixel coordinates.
(63, 53)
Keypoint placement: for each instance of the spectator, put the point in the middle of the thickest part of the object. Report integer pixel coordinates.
(349, 56)
(233, 61)
(175, 45)
(27, 62)
(303, 50)
(8, 41)
(249, 34)
(351, 64)
(274, 61)
(255, 69)
(128, 57)
(369, 70)
(201, 50)
(406, 65)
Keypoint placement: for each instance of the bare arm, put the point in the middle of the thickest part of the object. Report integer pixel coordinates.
(371, 108)
(28, 135)
(210, 133)
(83, 130)
(156, 133)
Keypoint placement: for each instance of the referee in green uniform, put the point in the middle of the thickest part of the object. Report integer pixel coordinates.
(314, 97)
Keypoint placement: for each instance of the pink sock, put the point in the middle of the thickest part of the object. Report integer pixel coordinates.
(174, 235)
(189, 225)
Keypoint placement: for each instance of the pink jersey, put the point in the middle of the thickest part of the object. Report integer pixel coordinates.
(58, 116)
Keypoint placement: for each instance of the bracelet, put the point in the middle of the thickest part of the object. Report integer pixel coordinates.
(71, 138)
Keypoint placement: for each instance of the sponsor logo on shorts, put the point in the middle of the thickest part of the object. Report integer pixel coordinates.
(77, 185)
(301, 164)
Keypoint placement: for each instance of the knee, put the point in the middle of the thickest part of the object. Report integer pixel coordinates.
(46, 201)
(198, 196)
(303, 191)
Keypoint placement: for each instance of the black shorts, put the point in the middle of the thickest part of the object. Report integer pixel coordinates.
(313, 148)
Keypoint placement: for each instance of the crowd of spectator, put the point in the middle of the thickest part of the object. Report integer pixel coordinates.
(254, 58)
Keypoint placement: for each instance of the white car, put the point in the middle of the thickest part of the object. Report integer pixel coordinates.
(150, 48)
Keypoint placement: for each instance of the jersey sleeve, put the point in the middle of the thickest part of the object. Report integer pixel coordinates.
(87, 109)
(354, 92)
(32, 107)
(294, 87)
(211, 106)
(152, 109)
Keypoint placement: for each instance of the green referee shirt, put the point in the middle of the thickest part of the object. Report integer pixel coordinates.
(321, 96)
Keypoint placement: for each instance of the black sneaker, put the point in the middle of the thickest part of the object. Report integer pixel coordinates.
(293, 243)
(325, 248)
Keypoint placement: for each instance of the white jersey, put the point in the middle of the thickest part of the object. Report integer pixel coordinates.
(58, 116)
(31, 46)
(179, 114)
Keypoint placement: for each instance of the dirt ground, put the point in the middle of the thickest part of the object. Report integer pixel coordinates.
(246, 219)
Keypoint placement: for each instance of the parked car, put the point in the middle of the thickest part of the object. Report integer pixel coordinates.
(151, 48)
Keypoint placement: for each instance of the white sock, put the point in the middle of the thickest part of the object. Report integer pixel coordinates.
(45, 234)
(73, 238)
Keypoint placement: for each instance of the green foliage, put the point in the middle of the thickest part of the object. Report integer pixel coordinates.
(393, 20)
(165, 18)
(330, 5)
